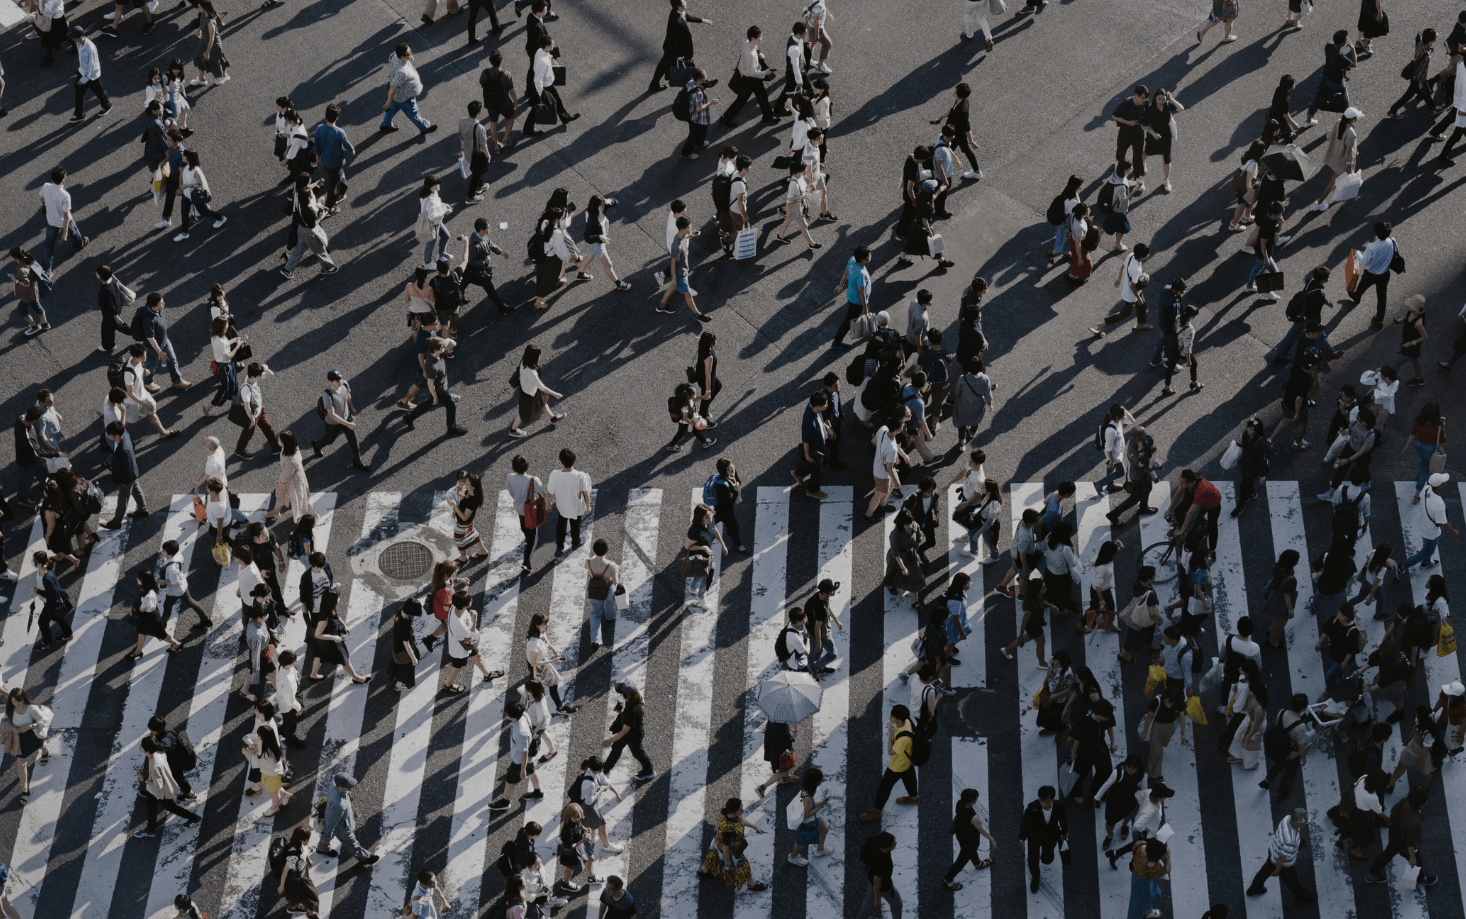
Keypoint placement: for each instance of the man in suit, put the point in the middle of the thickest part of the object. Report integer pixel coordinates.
(835, 418)
(534, 30)
(125, 472)
(677, 46)
(56, 603)
(1045, 825)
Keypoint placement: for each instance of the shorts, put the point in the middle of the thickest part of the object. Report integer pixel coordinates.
(596, 250)
(1302, 415)
(460, 663)
(271, 783)
(808, 833)
(494, 115)
(682, 285)
(516, 772)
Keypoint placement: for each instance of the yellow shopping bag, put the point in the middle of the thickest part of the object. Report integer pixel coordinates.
(221, 553)
(1447, 645)
(1155, 681)
(1196, 711)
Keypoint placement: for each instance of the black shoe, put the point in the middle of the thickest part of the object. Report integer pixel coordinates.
(243, 454)
(1033, 887)
(329, 853)
(457, 432)
(431, 129)
(499, 804)
(369, 861)
(362, 466)
(387, 128)
(655, 88)
(727, 122)
(532, 795)
(1256, 891)
(316, 450)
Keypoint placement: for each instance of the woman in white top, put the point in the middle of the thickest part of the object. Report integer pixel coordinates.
(418, 295)
(1372, 574)
(592, 784)
(1101, 613)
(1062, 564)
(883, 468)
(986, 506)
(822, 119)
(1247, 178)
(597, 235)
(149, 622)
(166, 96)
(794, 195)
(23, 735)
(462, 645)
(1385, 382)
(803, 110)
(542, 658)
(262, 750)
(1246, 747)
(220, 516)
(224, 349)
(291, 488)
(534, 395)
(432, 226)
(537, 710)
(248, 575)
(294, 156)
(195, 187)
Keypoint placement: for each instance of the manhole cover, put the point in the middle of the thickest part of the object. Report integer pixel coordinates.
(406, 561)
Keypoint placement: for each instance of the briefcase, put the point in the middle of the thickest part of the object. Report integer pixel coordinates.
(681, 73)
(559, 70)
(546, 114)
(1269, 280)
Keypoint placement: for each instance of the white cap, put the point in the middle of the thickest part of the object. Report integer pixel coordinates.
(1454, 689)
(1437, 480)
(1352, 112)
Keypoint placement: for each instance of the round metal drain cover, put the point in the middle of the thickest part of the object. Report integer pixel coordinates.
(406, 560)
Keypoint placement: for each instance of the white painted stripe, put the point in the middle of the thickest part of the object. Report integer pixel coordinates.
(1332, 877)
(1438, 672)
(477, 783)
(970, 770)
(901, 626)
(629, 657)
(249, 858)
(972, 651)
(567, 614)
(346, 713)
(1099, 655)
(766, 620)
(407, 763)
(1189, 894)
(17, 638)
(825, 889)
(688, 773)
(205, 724)
(1251, 804)
(68, 702)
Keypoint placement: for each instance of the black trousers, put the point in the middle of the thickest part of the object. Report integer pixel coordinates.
(186, 599)
(1097, 761)
(1455, 136)
(809, 470)
(1447, 121)
(1039, 852)
(334, 431)
(289, 721)
(1139, 495)
(170, 193)
(473, 9)
(485, 279)
(697, 135)
(549, 97)
(96, 88)
(1131, 140)
(888, 782)
(167, 804)
(109, 331)
(530, 538)
(794, 84)
(1385, 857)
(1289, 877)
(637, 753)
(561, 522)
(833, 444)
(1381, 284)
(852, 312)
(965, 148)
(966, 854)
(1414, 89)
(729, 520)
(664, 68)
(335, 187)
(43, 625)
(743, 88)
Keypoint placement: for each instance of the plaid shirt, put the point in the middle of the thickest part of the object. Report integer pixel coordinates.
(697, 97)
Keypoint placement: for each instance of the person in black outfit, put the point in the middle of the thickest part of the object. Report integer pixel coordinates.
(970, 830)
(126, 474)
(1131, 139)
(748, 80)
(835, 418)
(960, 118)
(795, 65)
(1044, 826)
(919, 159)
(630, 732)
(924, 508)
(677, 46)
(1089, 750)
(726, 486)
(473, 10)
(109, 302)
(56, 605)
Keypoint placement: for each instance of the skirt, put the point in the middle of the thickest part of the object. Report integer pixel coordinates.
(1116, 222)
(1079, 264)
(738, 877)
(532, 407)
(547, 276)
(915, 243)
(150, 625)
(464, 534)
(329, 652)
(271, 783)
(593, 818)
(1370, 27)
(301, 891)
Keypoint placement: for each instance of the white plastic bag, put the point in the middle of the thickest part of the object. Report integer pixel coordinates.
(462, 166)
(794, 813)
(1231, 456)
(1213, 677)
(745, 245)
(1409, 877)
(935, 245)
(1347, 186)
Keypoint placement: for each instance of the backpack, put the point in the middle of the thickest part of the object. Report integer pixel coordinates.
(447, 293)
(493, 90)
(535, 248)
(1099, 433)
(1239, 181)
(1106, 200)
(710, 489)
(722, 192)
(1056, 213)
(92, 499)
(1358, 756)
(883, 392)
(1296, 309)
(575, 795)
(855, 373)
(1346, 516)
(1091, 239)
(183, 752)
(674, 408)
(139, 326)
(921, 748)
(682, 105)
(115, 370)
(505, 861)
(279, 851)
(781, 648)
(1275, 743)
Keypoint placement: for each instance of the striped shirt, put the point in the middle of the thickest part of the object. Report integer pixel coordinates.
(1286, 840)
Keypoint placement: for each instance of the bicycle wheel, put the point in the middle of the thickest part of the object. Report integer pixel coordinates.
(1162, 557)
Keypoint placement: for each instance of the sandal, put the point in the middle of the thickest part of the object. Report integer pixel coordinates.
(985, 863)
(25, 796)
(133, 657)
(453, 688)
(497, 674)
(952, 886)
(45, 758)
(316, 676)
(757, 886)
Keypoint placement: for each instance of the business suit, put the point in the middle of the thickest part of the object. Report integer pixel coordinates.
(56, 606)
(125, 473)
(534, 30)
(677, 45)
(1042, 836)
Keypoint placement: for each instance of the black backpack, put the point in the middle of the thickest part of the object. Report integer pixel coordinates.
(1099, 433)
(722, 192)
(447, 293)
(535, 248)
(184, 755)
(921, 748)
(92, 498)
(1106, 199)
(781, 648)
(1297, 306)
(1091, 239)
(279, 851)
(1346, 516)
(1358, 756)
(682, 105)
(1275, 743)
(116, 369)
(855, 373)
(883, 393)
(505, 861)
(1056, 213)
(493, 90)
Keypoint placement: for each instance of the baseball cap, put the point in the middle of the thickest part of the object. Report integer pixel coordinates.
(828, 586)
(333, 375)
(1439, 479)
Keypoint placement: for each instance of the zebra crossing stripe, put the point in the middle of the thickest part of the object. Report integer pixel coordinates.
(1040, 762)
(970, 770)
(766, 621)
(688, 773)
(973, 650)
(483, 723)
(1099, 655)
(15, 648)
(1189, 893)
(1251, 804)
(1331, 872)
(37, 825)
(1438, 671)
(629, 655)
(825, 888)
(249, 859)
(346, 711)
(901, 626)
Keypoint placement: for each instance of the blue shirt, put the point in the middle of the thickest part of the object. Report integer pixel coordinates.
(856, 277)
(812, 432)
(956, 615)
(332, 146)
(1378, 255)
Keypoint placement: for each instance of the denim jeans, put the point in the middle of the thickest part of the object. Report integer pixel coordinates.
(1285, 347)
(169, 360)
(1425, 452)
(603, 620)
(1061, 239)
(33, 310)
(697, 588)
(1259, 265)
(407, 107)
(48, 248)
(1326, 605)
(1426, 552)
(441, 239)
(1143, 892)
(1115, 474)
(228, 385)
(336, 184)
(977, 535)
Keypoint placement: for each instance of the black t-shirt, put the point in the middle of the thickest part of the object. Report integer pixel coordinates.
(1090, 734)
(878, 864)
(1130, 112)
(496, 86)
(1335, 64)
(1267, 234)
(1300, 381)
(1338, 567)
(264, 553)
(1164, 714)
(702, 536)
(632, 719)
(910, 172)
(1342, 641)
(1457, 38)
(959, 119)
(437, 372)
(1280, 104)
(817, 609)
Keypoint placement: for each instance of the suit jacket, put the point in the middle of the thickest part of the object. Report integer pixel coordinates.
(926, 518)
(58, 601)
(534, 30)
(1034, 829)
(678, 42)
(308, 598)
(124, 461)
(155, 144)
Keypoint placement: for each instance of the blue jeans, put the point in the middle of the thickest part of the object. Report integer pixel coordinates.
(977, 535)
(1061, 239)
(1326, 605)
(168, 361)
(38, 313)
(1117, 473)
(228, 385)
(1143, 892)
(48, 248)
(407, 107)
(1426, 552)
(1258, 267)
(441, 238)
(1285, 347)
(603, 620)
(1425, 452)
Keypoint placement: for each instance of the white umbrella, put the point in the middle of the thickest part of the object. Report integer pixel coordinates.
(789, 697)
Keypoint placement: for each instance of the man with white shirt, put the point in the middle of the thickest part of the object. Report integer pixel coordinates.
(59, 222)
(792, 645)
(1431, 520)
(544, 87)
(796, 62)
(521, 764)
(1116, 423)
(175, 585)
(569, 491)
(748, 80)
(1376, 258)
(1132, 298)
(214, 465)
(88, 73)
(287, 698)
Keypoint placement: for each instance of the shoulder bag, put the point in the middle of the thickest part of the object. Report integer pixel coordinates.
(535, 510)
(1438, 458)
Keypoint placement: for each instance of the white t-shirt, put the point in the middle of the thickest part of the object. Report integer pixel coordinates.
(533, 646)
(972, 484)
(249, 579)
(58, 203)
(565, 486)
(221, 348)
(796, 191)
(739, 187)
(1432, 513)
(885, 453)
(1115, 441)
(214, 466)
(942, 156)
(671, 233)
(1128, 277)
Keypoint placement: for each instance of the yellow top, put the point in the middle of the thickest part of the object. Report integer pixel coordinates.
(901, 757)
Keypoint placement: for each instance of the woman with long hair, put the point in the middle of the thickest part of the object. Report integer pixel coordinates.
(262, 749)
(418, 295)
(1066, 202)
(291, 488)
(470, 494)
(1372, 578)
(1252, 466)
(1101, 612)
(432, 216)
(194, 186)
(22, 735)
(1076, 229)
(534, 395)
(329, 639)
(542, 657)
(597, 237)
(225, 351)
(556, 252)
(296, 884)
(1428, 436)
(1062, 564)
(444, 584)
(148, 620)
(210, 57)
(705, 369)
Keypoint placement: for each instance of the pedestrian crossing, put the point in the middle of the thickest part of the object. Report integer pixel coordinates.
(1221, 827)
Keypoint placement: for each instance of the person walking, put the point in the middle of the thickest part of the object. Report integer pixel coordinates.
(210, 57)
(291, 488)
(900, 737)
(601, 590)
(814, 445)
(479, 270)
(1159, 122)
(403, 87)
(88, 73)
(196, 193)
(159, 788)
(749, 76)
(60, 224)
(856, 284)
(1290, 722)
(1406, 830)
(628, 731)
(1428, 436)
(597, 239)
(1150, 863)
(150, 327)
(534, 395)
(1223, 11)
(332, 147)
(1378, 256)
(307, 216)
(969, 829)
(569, 490)
(338, 412)
(524, 489)
(875, 855)
(1043, 829)
(432, 228)
(1131, 137)
(435, 371)
(113, 297)
(339, 822)
(1184, 350)
(699, 114)
(1342, 154)
(174, 582)
(125, 473)
(1282, 858)
(249, 412)
(1431, 521)
(546, 96)
(677, 45)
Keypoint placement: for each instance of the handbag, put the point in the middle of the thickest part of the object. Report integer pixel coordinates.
(1409, 877)
(239, 416)
(1269, 280)
(1067, 778)
(681, 72)
(462, 166)
(547, 675)
(1232, 454)
(935, 245)
(1397, 263)
(544, 113)
(1447, 645)
(559, 71)
(794, 813)
(787, 761)
(1348, 186)
(199, 512)
(424, 229)
(42, 23)
(1438, 458)
(694, 566)
(220, 552)
(535, 511)
(1143, 729)
(623, 599)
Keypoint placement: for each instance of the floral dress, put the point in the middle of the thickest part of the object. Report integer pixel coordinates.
(741, 873)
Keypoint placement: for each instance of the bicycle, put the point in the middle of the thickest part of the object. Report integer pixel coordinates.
(1167, 558)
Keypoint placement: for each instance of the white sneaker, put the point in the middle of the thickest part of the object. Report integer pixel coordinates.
(1309, 123)
(222, 80)
(8, 575)
(820, 853)
(180, 237)
(1271, 296)
(163, 224)
(1250, 288)
(220, 222)
(798, 861)
(974, 175)
(557, 902)
(1319, 206)
(1249, 250)
(661, 277)
(110, 16)
(152, 6)
(968, 552)
(823, 68)
(197, 82)
(613, 848)
(1284, 238)
(992, 560)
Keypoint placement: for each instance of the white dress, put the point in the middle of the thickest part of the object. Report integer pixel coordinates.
(292, 489)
